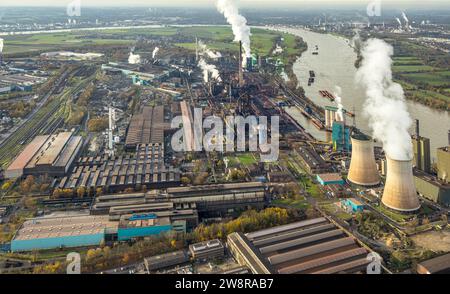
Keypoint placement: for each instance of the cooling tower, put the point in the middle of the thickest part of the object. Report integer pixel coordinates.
(400, 191)
(363, 169)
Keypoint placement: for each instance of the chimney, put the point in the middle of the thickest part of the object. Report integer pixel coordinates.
(417, 129)
(241, 70)
(399, 190)
(363, 168)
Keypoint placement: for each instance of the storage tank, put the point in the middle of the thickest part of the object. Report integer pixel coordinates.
(400, 191)
(363, 168)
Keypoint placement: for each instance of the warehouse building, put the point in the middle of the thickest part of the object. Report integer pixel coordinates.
(438, 265)
(60, 232)
(143, 225)
(146, 127)
(314, 246)
(50, 154)
(330, 179)
(164, 261)
(431, 188)
(212, 249)
(220, 199)
(311, 161)
(117, 173)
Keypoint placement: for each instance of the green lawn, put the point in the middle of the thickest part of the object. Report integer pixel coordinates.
(412, 68)
(246, 159)
(298, 204)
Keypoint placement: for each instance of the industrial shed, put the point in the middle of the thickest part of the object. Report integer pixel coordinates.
(314, 246)
(61, 231)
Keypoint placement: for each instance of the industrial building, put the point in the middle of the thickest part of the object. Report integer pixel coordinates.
(61, 231)
(330, 179)
(50, 154)
(116, 173)
(443, 164)
(166, 260)
(432, 189)
(146, 127)
(19, 82)
(187, 203)
(212, 249)
(143, 225)
(363, 168)
(219, 199)
(437, 265)
(352, 204)
(311, 161)
(314, 246)
(422, 153)
(341, 137)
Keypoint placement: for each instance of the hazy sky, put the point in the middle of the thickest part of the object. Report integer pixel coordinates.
(206, 3)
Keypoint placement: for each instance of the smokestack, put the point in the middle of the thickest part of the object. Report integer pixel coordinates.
(363, 168)
(399, 190)
(241, 70)
(417, 129)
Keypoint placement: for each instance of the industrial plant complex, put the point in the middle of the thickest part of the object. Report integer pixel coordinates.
(180, 149)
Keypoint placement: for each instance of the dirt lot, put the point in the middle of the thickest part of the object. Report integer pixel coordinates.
(436, 241)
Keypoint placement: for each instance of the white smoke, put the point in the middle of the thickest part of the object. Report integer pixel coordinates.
(204, 50)
(398, 20)
(385, 104)
(134, 58)
(238, 24)
(338, 100)
(1, 45)
(155, 52)
(356, 41)
(405, 18)
(209, 69)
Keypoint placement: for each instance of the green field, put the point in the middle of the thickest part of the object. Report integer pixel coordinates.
(437, 79)
(216, 37)
(297, 204)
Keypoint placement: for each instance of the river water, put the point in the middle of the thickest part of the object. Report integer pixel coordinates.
(334, 66)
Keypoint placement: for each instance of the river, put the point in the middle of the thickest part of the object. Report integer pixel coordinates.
(334, 66)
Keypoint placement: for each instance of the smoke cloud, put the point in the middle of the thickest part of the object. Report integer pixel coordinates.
(238, 24)
(1, 45)
(204, 50)
(338, 100)
(398, 20)
(405, 18)
(155, 52)
(385, 105)
(134, 58)
(209, 69)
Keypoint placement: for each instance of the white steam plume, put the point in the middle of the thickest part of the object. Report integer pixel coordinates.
(155, 52)
(1, 45)
(398, 20)
(204, 50)
(405, 18)
(134, 58)
(238, 24)
(385, 104)
(209, 69)
(338, 100)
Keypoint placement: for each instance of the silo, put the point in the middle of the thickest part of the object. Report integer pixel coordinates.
(399, 190)
(363, 168)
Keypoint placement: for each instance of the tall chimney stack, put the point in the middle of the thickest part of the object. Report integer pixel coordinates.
(241, 70)
(417, 129)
